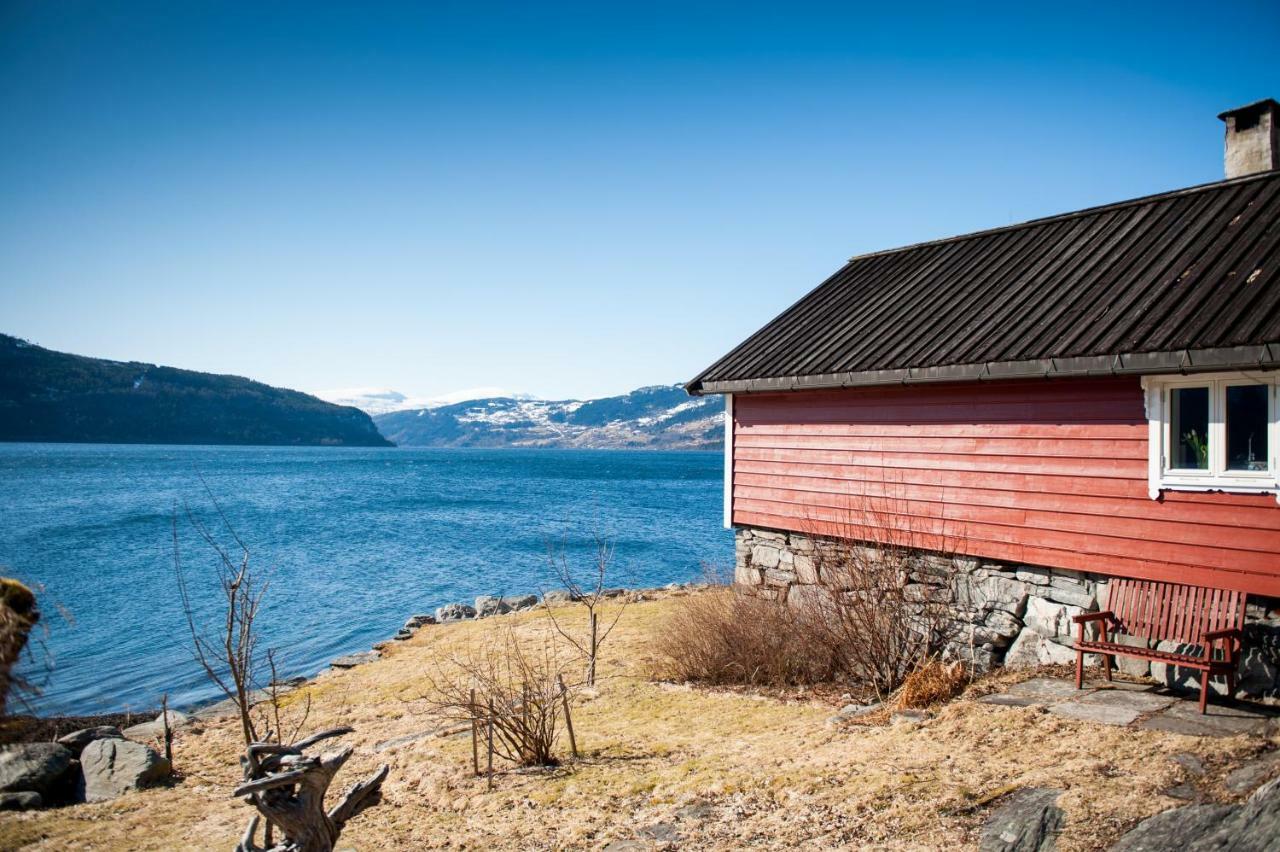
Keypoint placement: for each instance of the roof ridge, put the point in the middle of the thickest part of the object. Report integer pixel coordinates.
(1059, 217)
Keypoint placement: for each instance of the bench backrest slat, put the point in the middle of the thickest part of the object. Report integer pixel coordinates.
(1173, 611)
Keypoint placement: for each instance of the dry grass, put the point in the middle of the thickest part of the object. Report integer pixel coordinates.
(932, 682)
(727, 769)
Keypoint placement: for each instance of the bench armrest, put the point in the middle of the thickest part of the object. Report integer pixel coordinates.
(1093, 616)
(1229, 632)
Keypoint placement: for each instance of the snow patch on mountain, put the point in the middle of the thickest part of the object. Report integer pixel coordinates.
(657, 417)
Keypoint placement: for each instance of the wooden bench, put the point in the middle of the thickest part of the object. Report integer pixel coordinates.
(1189, 615)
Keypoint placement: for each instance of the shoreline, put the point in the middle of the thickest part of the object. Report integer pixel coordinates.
(33, 727)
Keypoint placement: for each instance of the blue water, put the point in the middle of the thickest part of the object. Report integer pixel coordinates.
(353, 541)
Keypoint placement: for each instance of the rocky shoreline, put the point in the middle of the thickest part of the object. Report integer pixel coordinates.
(54, 761)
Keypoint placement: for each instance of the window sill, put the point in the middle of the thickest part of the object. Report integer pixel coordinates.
(1225, 486)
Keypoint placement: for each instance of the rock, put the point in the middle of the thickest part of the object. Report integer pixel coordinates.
(23, 801)
(111, 768)
(33, 767)
(1073, 595)
(1028, 821)
(806, 571)
(1031, 649)
(779, 577)
(612, 593)
(1253, 825)
(454, 612)
(807, 598)
(1172, 829)
(402, 634)
(1033, 574)
(416, 621)
(1176, 677)
(350, 661)
(1129, 665)
(559, 596)
(1259, 672)
(765, 556)
(77, 740)
(745, 576)
(1254, 773)
(488, 605)
(154, 729)
(994, 592)
(1053, 620)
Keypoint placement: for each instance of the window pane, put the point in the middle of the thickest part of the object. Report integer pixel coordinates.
(1247, 427)
(1189, 428)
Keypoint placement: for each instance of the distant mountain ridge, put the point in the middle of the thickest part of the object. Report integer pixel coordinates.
(658, 417)
(58, 397)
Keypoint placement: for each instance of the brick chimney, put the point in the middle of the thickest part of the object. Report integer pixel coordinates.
(1253, 141)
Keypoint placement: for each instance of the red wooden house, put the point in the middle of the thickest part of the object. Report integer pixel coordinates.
(1084, 396)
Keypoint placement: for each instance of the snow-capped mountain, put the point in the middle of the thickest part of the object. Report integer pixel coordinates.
(659, 417)
(383, 400)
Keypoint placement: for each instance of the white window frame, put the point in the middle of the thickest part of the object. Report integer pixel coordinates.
(1157, 394)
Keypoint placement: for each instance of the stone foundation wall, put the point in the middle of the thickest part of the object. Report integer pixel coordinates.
(1003, 614)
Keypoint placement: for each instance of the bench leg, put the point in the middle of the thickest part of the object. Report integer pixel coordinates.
(1204, 691)
(1079, 669)
(1107, 662)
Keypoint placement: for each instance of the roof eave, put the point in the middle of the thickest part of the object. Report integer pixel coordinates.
(1184, 361)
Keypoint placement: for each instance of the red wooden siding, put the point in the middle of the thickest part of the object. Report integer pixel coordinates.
(1037, 472)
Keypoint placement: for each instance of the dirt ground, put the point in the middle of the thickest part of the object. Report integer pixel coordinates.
(670, 766)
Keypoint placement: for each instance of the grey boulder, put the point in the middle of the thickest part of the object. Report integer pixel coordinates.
(111, 768)
(1028, 821)
(487, 605)
(33, 767)
(77, 740)
(559, 596)
(24, 801)
(1253, 826)
(455, 612)
(154, 729)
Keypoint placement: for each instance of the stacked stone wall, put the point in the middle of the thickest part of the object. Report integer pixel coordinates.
(1003, 614)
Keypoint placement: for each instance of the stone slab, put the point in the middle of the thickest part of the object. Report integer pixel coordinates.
(1047, 690)
(1102, 714)
(1219, 721)
(1139, 701)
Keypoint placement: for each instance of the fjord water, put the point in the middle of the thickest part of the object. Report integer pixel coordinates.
(353, 541)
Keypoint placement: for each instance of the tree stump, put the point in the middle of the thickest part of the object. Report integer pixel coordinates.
(288, 788)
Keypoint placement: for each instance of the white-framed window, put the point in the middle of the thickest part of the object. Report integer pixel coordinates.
(1213, 432)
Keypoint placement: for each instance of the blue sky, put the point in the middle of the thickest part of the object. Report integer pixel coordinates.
(566, 200)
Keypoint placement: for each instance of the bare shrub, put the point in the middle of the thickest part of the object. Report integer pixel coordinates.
(733, 636)
(590, 593)
(885, 590)
(876, 622)
(932, 682)
(228, 654)
(515, 689)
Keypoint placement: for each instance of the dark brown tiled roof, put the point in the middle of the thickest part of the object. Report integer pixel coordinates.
(1183, 281)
